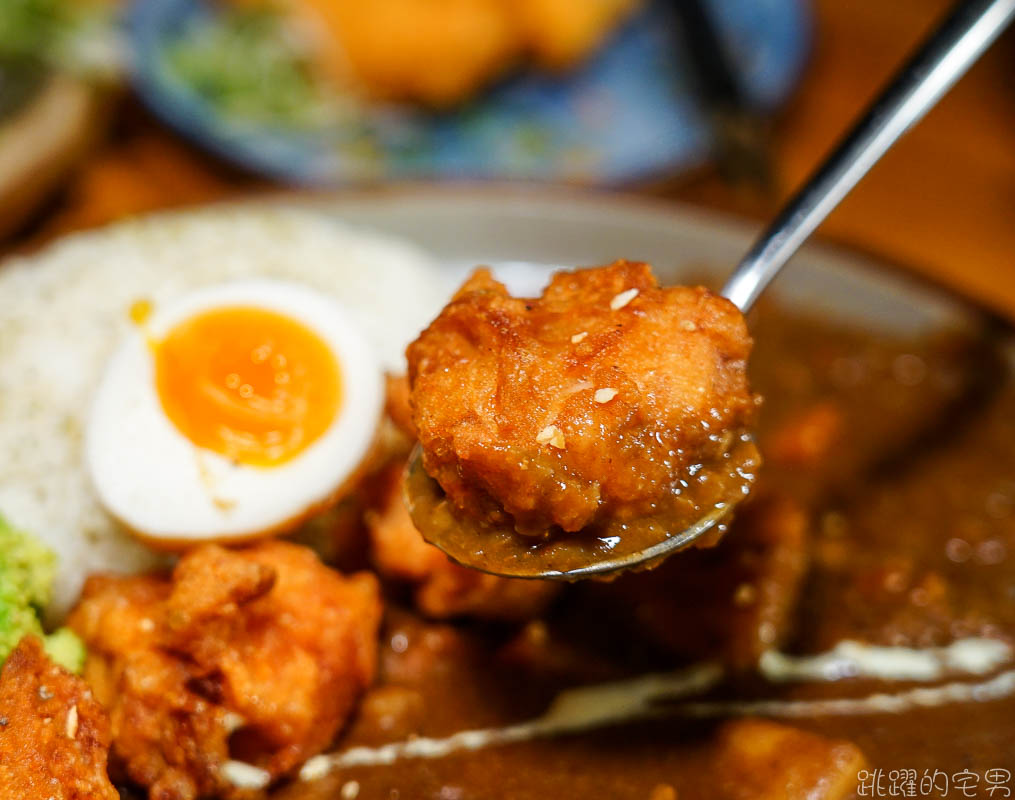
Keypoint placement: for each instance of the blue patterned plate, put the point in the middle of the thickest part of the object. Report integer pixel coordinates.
(627, 114)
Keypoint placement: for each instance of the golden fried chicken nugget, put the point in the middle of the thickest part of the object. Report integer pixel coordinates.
(445, 589)
(54, 735)
(255, 655)
(586, 404)
(757, 759)
(435, 52)
(397, 404)
(562, 33)
(440, 53)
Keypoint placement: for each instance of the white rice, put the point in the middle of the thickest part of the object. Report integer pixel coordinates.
(63, 311)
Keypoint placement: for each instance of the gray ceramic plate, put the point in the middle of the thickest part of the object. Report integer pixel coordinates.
(502, 224)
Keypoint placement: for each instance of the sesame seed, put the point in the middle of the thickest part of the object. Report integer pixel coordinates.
(315, 768)
(72, 722)
(579, 337)
(350, 790)
(232, 721)
(551, 435)
(687, 325)
(604, 395)
(245, 776)
(146, 624)
(45, 693)
(623, 299)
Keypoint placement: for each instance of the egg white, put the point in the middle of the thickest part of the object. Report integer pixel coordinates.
(167, 489)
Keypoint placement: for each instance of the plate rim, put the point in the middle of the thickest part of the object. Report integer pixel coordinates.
(838, 254)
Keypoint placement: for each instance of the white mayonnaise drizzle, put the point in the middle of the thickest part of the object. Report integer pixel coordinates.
(590, 707)
(996, 688)
(574, 710)
(849, 659)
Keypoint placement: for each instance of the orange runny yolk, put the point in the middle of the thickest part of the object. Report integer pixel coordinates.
(253, 385)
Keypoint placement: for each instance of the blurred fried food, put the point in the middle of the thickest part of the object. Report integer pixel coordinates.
(54, 736)
(397, 405)
(254, 655)
(562, 33)
(445, 589)
(436, 53)
(764, 760)
(145, 172)
(441, 52)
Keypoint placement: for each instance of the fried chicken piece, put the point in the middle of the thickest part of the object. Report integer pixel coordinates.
(562, 33)
(440, 53)
(397, 404)
(254, 655)
(757, 759)
(807, 439)
(54, 735)
(586, 404)
(339, 534)
(445, 589)
(435, 52)
(733, 601)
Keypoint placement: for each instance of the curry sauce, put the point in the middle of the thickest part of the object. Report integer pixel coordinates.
(885, 514)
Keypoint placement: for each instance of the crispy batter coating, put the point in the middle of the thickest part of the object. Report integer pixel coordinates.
(254, 655)
(54, 735)
(445, 589)
(582, 405)
(436, 52)
(807, 440)
(756, 759)
(397, 404)
(441, 52)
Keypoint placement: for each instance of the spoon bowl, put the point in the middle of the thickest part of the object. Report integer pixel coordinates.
(495, 547)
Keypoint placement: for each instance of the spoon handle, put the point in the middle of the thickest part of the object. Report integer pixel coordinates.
(970, 28)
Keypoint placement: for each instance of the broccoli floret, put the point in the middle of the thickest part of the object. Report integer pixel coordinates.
(26, 565)
(27, 569)
(16, 616)
(65, 648)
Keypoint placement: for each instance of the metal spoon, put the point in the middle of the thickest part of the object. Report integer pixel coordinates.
(940, 61)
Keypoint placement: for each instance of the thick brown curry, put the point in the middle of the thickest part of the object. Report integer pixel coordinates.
(885, 514)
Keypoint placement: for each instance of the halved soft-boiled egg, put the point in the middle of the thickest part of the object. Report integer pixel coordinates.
(233, 413)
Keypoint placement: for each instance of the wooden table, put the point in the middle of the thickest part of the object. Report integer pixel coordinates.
(942, 203)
